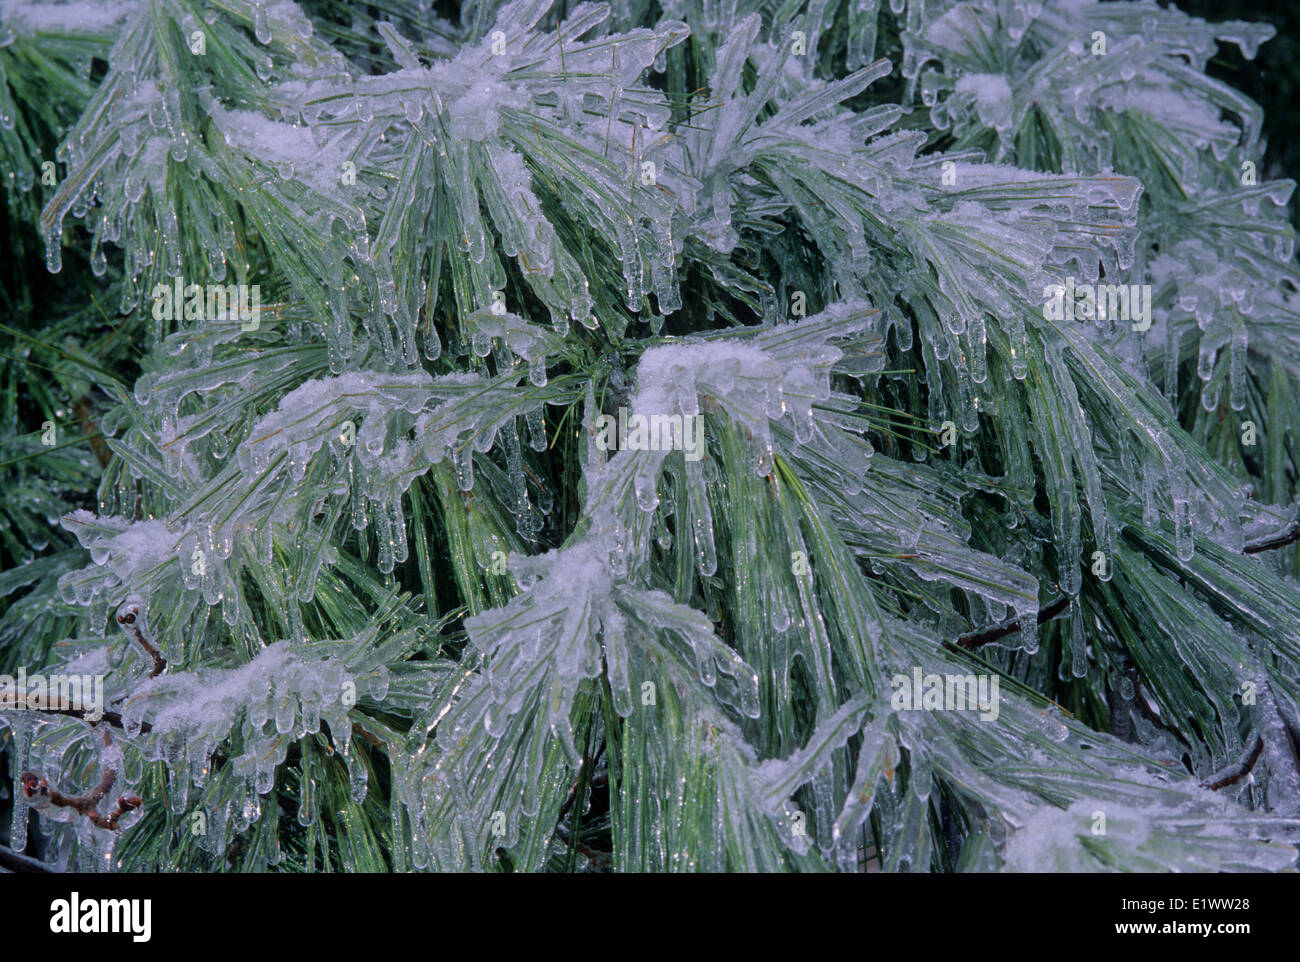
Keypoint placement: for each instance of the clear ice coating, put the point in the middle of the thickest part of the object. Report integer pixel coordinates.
(455, 200)
(281, 695)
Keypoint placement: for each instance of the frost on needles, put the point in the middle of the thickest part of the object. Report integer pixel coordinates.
(413, 610)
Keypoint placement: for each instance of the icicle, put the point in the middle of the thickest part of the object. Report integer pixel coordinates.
(536, 423)
(706, 558)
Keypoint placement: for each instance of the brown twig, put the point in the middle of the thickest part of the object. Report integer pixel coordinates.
(368, 736)
(980, 638)
(18, 863)
(128, 617)
(1244, 769)
(1278, 541)
(35, 787)
(102, 454)
(586, 850)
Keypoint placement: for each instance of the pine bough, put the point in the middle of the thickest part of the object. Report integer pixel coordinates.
(410, 615)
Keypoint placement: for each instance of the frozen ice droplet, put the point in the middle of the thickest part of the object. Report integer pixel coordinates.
(54, 250)
(537, 371)
(261, 24)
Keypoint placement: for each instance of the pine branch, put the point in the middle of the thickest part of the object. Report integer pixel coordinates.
(488, 244)
(1239, 771)
(1275, 542)
(16, 862)
(38, 789)
(978, 639)
(128, 617)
